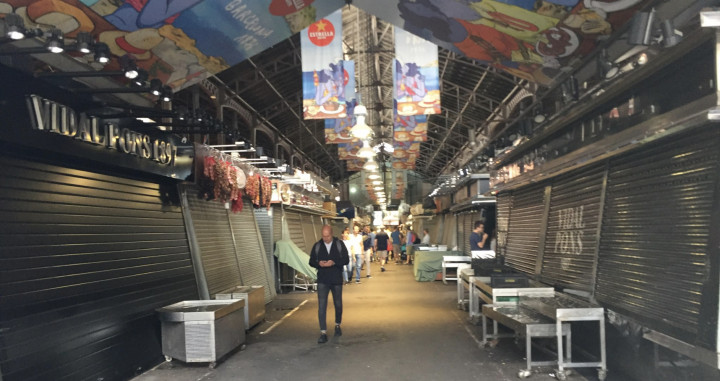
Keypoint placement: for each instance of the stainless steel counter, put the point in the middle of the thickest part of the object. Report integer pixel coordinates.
(202, 330)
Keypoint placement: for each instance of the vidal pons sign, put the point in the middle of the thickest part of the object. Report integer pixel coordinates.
(56, 118)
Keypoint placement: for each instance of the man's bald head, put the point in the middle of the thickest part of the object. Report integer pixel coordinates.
(327, 234)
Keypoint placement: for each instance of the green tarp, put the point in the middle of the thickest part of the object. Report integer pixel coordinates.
(287, 252)
(429, 263)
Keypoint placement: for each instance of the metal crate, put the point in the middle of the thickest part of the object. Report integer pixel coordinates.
(202, 330)
(254, 297)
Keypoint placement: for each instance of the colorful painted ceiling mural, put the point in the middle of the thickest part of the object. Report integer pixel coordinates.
(184, 41)
(178, 41)
(531, 39)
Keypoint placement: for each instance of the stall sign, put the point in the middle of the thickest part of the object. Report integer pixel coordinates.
(56, 118)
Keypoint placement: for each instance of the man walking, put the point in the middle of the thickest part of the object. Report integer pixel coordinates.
(382, 241)
(328, 256)
(367, 249)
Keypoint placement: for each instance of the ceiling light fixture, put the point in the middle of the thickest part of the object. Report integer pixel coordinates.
(366, 152)
(55, 42)
(371, 165)
(373, 176)
(361, 130)
(15, 27)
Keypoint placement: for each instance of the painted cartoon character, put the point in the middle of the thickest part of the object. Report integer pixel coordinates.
(342, 126)
(411, 83)
(137, 14)
(330, 85)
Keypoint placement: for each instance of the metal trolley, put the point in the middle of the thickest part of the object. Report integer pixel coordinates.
(202, 330)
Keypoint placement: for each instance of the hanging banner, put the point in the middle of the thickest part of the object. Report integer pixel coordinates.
(323, 77)
(348, 151)
(410, 128)
(355, 165)
(402, 164)
(338, 130)
(398, 184)
(406, 152)
(417, 85)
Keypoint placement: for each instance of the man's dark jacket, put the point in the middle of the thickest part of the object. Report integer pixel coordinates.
(338, 253)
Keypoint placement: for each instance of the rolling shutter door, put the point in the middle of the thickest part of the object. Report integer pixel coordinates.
(215, 242)
(572, 229)
(308, 229)
(524, 229)
(265, 226)
(461, 234)
(276, 225)
(504, 201)
(438, 233)
(450, 231)
(86, 258)
(294, 224)
(656, 225)
(467, 228)
(254, 266)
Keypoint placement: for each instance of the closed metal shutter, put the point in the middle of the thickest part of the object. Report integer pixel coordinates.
(265, 225)
(572, 229)
(277, 224)
(467, 227)
(524, 229)
(294, 224)
(504, 202)
(308, 228)
(254, 265)
(450, 231)
(215, 242)
(460, 233)
(653, 250)
(439, 229)
(86, 259)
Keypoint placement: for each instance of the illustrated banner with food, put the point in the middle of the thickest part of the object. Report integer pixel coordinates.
(405, 151)
(416, 84)
(399, 182)
(410, 128)
(337, 130)
(355, 165)
(324, 76)
(348, 151)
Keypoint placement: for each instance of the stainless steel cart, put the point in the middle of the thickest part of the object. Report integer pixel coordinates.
(254, 297)
(202, 330)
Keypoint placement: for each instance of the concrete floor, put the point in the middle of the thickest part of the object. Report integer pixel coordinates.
(393, 328)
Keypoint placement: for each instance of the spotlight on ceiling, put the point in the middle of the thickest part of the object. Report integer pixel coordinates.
(84, 42)
(15, 27)
(128, 65)
(141, 77)
(102, 53)
(166, 93)
(606, 67)
(155, 87)
(55, 41)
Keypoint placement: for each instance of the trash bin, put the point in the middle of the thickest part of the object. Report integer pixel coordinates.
(254, 297)
(202, 330)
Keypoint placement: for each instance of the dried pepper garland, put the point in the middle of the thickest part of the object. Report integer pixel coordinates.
(267, 191)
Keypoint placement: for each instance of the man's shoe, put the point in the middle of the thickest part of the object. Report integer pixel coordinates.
(369, 276)
(322, 339)
(338, 331)
(357, 281)
(382, 269)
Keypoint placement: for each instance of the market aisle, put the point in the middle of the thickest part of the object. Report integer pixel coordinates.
(393, 327)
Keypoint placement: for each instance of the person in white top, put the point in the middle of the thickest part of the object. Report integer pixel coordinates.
(347, 269)
(426, 237)
(356, 242)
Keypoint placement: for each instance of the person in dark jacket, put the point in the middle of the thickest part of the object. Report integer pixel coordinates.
(328, 256)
